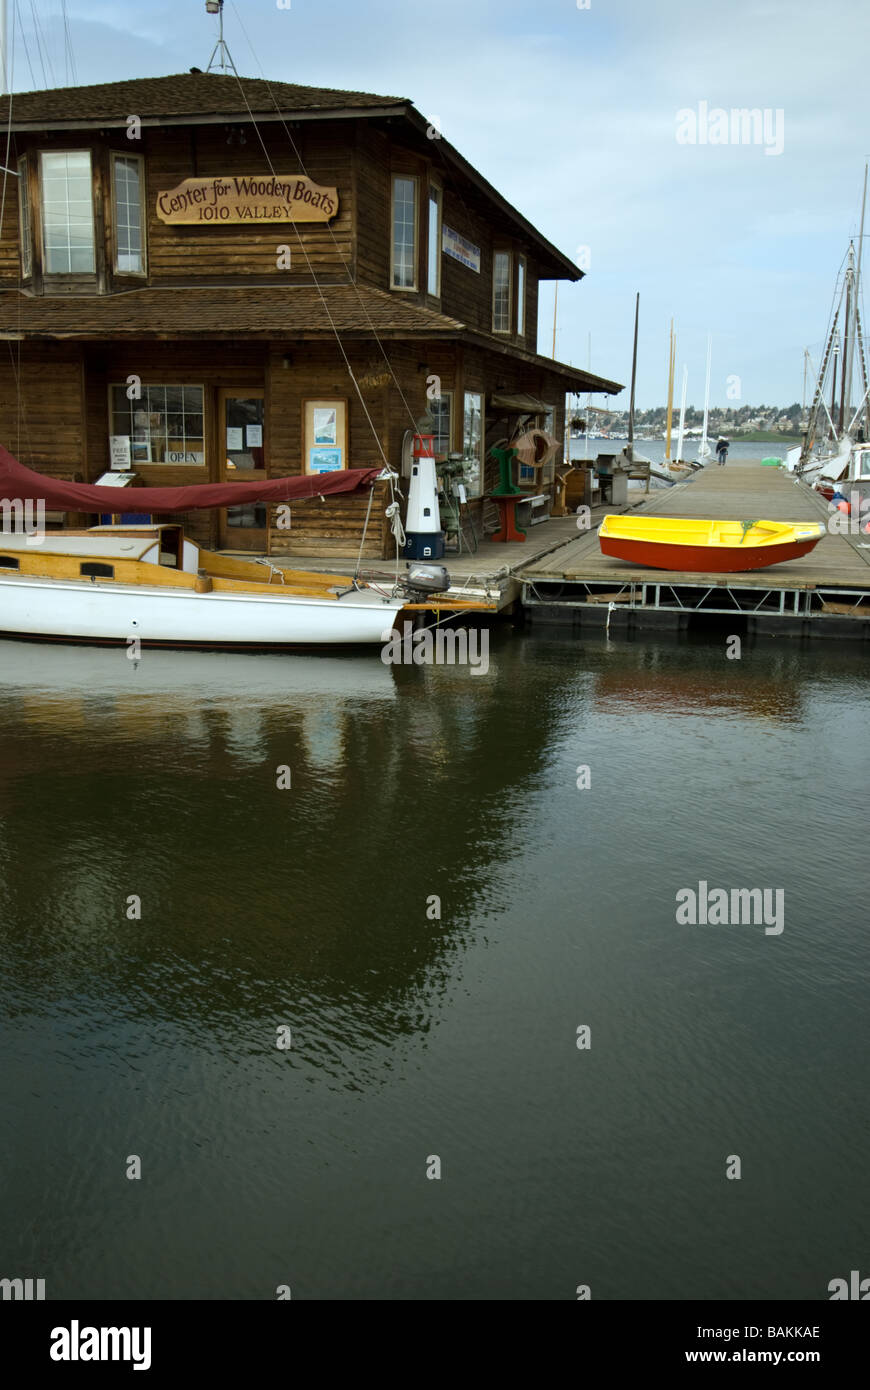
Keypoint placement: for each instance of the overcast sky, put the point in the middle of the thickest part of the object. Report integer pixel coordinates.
(573, 115)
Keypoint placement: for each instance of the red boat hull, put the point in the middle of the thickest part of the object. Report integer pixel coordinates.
(702, 559)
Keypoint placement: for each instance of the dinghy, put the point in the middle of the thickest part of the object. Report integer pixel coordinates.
(706, 547)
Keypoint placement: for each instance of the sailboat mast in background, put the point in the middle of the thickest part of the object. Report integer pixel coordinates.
(670, 397)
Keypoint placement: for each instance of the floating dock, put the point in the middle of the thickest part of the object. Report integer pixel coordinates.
(825, 594)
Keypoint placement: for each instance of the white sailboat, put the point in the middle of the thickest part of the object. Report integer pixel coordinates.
(151, 585)
(833, 451)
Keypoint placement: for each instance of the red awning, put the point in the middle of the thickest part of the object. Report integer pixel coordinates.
(16, 481)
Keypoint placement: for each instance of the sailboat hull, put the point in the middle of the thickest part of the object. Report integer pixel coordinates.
(83, 611)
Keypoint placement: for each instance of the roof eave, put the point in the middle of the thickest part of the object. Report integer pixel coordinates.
(319, 113)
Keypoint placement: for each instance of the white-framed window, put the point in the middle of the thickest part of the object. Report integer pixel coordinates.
(164, 425)
(128, 203)
(24, 222)
(521, 296)
(403, 255)
(501, 292)
(472, 442)
(66, 191)
(441, 410)
(433, 265)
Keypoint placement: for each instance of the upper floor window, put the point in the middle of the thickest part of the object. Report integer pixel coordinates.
(501, 292)
(67, 212)
(24, 217)
(433, 283)
(521, 296)
(127, 188)
(403, 269)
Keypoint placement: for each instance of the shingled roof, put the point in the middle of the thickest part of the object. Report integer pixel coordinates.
(190, 96)
(260, 312)
(288, 312)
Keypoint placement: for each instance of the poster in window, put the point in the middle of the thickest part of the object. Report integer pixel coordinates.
(141, 450)
(255, 436)
(235, 438)
(324, 461)
(119, 451)
(325, 426)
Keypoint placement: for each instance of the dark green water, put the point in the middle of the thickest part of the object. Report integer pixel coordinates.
(307, 907)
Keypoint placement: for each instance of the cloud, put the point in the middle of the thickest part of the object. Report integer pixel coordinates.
(572, 115)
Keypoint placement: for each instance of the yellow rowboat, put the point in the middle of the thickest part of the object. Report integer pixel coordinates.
(706, 547)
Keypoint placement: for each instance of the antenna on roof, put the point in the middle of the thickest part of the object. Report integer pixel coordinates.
(220, 50)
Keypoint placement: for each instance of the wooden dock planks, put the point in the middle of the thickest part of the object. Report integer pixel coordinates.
(741, 491)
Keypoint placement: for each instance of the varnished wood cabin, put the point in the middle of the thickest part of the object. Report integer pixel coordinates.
(178, 254)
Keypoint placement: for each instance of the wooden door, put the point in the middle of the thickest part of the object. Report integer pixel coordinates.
(242, 444)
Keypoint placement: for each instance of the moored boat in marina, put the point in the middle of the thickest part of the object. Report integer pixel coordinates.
(152, 584)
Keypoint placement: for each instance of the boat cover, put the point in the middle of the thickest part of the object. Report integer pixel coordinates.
(18, 482)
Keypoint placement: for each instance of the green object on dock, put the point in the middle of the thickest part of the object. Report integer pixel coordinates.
(504, 458)
(771, 463)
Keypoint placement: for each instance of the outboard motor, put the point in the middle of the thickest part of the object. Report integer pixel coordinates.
(422, 581)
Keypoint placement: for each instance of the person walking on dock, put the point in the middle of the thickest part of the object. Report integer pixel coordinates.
(722, 451)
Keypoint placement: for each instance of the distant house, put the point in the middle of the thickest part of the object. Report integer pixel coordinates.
(223, 279)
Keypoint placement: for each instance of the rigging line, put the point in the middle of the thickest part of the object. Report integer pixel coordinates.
(317, 286)
(69, 54)
(9, 64)
(412, 417)
(37, 36)
(17, 12)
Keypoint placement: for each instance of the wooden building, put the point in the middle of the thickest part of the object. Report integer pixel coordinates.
(215, 279)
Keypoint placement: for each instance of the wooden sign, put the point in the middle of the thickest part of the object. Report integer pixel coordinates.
(247, 198)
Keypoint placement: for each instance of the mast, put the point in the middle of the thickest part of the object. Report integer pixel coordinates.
(682, 414)
(852, 326)
(834, 389)
(630, 450)
(846, 369)
(703, 447)
(670, 397)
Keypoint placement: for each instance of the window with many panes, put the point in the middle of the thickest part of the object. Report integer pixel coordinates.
(441, 410)
(501, 292)
(24, 218)
(404, 245)
(433, 282)
(66, 191)
(472, 442)
(127, 188)
(164, 425)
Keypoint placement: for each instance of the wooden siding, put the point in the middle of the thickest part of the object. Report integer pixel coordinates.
(42, 425)
(465, 294)
(195, 254)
